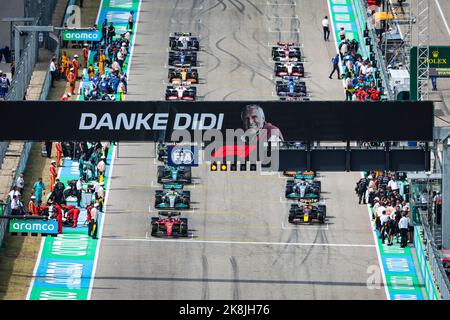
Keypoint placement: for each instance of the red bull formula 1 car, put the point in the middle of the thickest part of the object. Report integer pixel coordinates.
(286, 51)
(307, 212)
(169, 224)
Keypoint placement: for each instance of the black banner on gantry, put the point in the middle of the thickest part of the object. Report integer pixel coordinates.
(151, 120)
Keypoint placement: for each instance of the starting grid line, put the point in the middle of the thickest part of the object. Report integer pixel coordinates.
(265, 243)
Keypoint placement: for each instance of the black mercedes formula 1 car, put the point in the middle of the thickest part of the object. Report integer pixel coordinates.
(307, 212)
(282, 69)
(168, 174)
(183, 57)
(303, 189)
(184, 40)
(169, 224)
(181, 92)
(183, 73)
(172, 199)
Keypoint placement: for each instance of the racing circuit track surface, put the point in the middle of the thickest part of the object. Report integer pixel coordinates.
(241, 246)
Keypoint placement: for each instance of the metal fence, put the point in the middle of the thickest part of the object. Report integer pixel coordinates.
(434, 259)
(377, 51)
(20, 168)
(24, 69)
(3, 147)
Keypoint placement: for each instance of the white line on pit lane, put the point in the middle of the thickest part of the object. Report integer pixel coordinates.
(298, 244)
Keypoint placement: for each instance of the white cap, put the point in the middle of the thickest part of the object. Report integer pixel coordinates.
(376, 199)
(53, 161)
(75, 56)
(33, 197)
(370, 177)
(96, 204)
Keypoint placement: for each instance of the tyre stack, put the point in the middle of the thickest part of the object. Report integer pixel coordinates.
(289, 70)
(182, 62)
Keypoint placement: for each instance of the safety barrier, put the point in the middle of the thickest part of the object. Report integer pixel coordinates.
(3, 147)
(20, 168)
(430, 253)
(361, 9)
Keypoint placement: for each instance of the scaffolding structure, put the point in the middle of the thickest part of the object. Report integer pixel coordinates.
(396, 43)
(423, 49)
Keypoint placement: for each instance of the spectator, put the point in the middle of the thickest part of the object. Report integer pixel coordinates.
(384, 219)
(53, 72)
(65, 65)
(13, 192)
(71, 82)
(101, 168)
(75, 66)
(396, 216)
(100, 195)
(53, 175)
(111, 33)
(14, 206)
(349, 87)
(104, 30)
(39, 190)
(92, 228)
(393, 184)
(4, 84)
(79, 187)
(335, 62)
(434, 82)
(85, 53)
(20, 183)
(32, 208)
(361, 189)
(130, 21)
(326, 28)
(404, 226)
(342, 34)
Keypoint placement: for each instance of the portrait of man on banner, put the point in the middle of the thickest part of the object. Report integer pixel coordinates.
(256, 127)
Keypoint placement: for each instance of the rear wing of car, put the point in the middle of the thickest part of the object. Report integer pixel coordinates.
(176, 186)
(306, 176)
(169, 213)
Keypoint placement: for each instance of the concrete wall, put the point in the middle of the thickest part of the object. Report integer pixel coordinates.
(9, 9)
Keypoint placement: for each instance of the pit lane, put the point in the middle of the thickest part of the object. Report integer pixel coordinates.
(240, 249)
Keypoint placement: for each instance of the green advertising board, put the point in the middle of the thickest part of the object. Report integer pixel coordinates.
(81, 35)
(438, 62)
(33, 226)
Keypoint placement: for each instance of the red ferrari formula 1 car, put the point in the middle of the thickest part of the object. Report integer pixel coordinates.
(169, 224)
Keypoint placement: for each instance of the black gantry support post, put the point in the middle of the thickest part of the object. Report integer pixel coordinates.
(347, 157)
